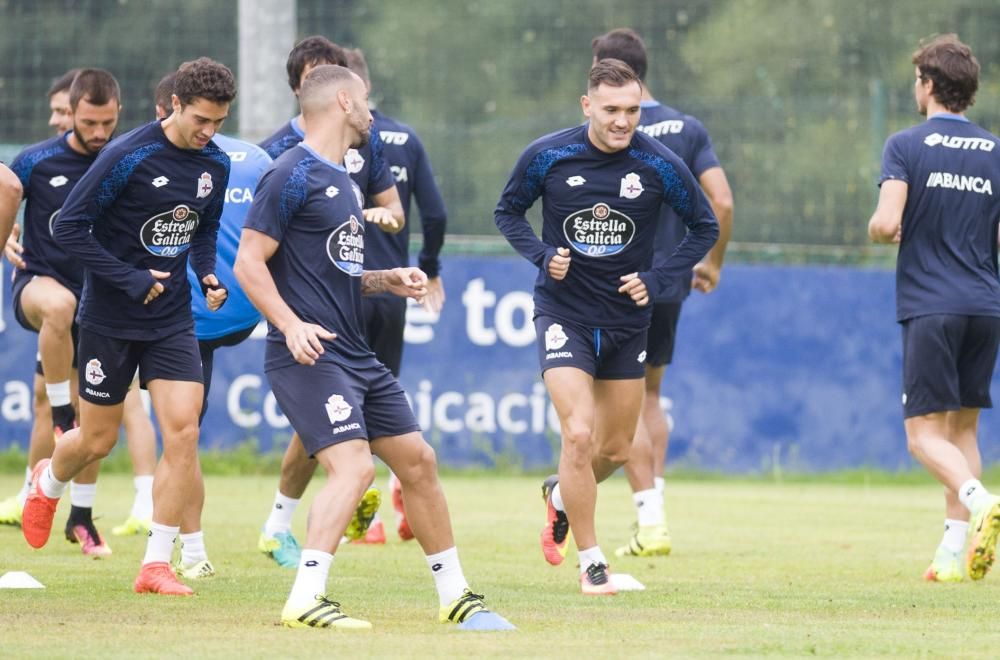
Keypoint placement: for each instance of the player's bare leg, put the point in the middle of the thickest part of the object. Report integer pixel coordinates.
(276, 538)
(141, 437)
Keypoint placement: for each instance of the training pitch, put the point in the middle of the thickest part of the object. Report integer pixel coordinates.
(757, 568)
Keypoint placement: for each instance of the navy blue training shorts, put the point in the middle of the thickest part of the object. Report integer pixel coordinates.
(662, 334)
(328, 402)
(604, 353)
(385, 321)
(948, 362)
(107, 364)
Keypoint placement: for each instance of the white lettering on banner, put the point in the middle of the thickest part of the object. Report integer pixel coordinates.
(419, 328)
(16, 405)
(477, 299)
(482, 412)
(252, 419)
(241, 418)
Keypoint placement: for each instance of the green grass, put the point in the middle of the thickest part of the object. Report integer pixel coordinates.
(758, 568)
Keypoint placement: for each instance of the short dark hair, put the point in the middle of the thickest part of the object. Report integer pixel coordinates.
(164, 91)
(622, 44)
(612, 72)
(96, 86)
(356, 62)
(953, 68)
(204, 78)
(312, 51)
(62, 83)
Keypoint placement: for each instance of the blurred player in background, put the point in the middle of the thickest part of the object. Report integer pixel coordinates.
(61, 115)
(385, 315)
(48, 283)
(602, 185)
(686, 137)
(937, 202)
(369, 171)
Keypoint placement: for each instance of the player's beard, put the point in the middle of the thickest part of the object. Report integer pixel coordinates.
(88, 146)
(364, 134)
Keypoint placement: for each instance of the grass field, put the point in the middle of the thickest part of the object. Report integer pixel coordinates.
(758, 568)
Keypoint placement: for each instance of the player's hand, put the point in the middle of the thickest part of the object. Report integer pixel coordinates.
(215, 293)
(898, 235)
(635, 289)
(559, 264)
(303, 340)
(706, 277)
(408, 282)
(381, 216)
(434, 300)
(13, 250)
(157, 287)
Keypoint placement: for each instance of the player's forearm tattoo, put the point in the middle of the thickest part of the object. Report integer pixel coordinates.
(372, 281)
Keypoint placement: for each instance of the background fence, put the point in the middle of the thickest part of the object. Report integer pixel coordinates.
(799, 96)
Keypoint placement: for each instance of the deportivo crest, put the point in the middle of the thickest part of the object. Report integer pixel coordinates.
(169, 234)
(337, 409)
(598, 231)
(353, 161)
(94, 372)
(555, 338)
(346, 247)
(204, 185)
(631, 186)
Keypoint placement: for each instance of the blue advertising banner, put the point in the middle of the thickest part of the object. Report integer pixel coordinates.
(794, 367)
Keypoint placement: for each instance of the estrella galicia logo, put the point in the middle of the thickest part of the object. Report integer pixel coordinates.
(599, 231)
(346, 247)
(169, 234)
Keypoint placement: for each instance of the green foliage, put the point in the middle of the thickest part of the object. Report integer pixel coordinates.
(799, 97)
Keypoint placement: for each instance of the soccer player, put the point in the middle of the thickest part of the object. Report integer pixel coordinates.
(229, 325)
(602, 185)
(61, 117)
(686, 137)
(151, 196)
(10, 200)
(385, 315)
(368, 169)
(301, 261)
(47, 287)
(937, 202)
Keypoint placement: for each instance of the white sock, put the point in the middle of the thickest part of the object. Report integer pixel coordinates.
(25, 487)
(591, 556)
(310, 581)
(160, 543)
(280, 519)
(972, 494)
(557, 502)
(142, 505)
(193, 548)
(658, 483)
(448, 576)
(954, 535)
(82, 495)
(58, 393)
(649, 506)
(49, 485)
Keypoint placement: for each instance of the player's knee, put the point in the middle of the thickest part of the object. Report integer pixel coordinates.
(59, 312)
(421, 466)
(181, 442)
(365, 476)
(99, 445)
(577, 435)
(616, 451)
